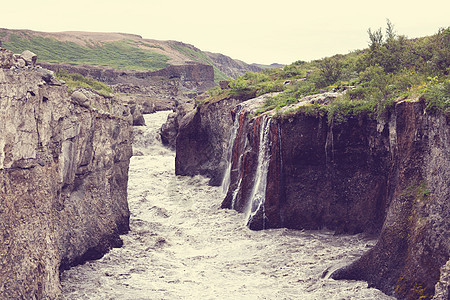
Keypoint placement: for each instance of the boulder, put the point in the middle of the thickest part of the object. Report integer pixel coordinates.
(80, 98)
(169, 131)
(20, 63)
(138, 118)
(29, 58)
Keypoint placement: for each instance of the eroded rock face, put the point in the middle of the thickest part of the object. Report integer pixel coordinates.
(442, 289)
(202, 138)
(191, 72)
(63, 181)
(231, 67)
(415, 238)
(388, 176)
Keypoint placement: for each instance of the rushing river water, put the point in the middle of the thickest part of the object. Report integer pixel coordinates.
(182, 246)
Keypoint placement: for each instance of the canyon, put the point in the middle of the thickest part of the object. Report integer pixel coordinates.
(64, 162)
(386, 177)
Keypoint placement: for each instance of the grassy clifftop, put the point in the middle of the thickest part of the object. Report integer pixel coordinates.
(392, 68)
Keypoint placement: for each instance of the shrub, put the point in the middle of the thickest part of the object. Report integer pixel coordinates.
(438, 97)
(343, 108)
(329, 71)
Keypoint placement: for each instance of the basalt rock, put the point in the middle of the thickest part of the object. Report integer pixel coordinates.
(201, 140)
(415, 238)
(63, 181)
(169, 130)
(388, 177)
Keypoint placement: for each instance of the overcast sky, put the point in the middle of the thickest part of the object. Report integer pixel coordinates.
(255, 31)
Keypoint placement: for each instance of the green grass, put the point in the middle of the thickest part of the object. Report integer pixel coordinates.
(75, 80)
(201, 58)
(121, 54)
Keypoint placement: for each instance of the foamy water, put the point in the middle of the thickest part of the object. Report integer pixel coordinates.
(182, 246)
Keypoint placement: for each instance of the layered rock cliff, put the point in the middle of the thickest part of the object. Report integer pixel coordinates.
(63, 178)
(388, 176)
(231, 67)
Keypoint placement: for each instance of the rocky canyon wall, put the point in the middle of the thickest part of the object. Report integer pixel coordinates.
(63, 178)
(388, 176)
(195, 72)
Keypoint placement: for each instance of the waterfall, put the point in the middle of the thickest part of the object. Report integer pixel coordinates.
(182, 247)
(229, 159)
(258, 194)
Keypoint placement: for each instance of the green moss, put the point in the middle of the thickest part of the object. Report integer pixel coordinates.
(411, 291)
(417, 192)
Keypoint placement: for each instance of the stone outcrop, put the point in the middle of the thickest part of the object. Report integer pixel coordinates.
(29, 58)
(231, 67)
(201, 140)
(149, 91)
(161, 96)
(197, 73)
(387, 177)
(63, 179)
(7, 59)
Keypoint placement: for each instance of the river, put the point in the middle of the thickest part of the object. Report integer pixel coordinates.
(182, 246)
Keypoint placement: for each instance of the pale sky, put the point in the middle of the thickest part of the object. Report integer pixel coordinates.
(255, 31)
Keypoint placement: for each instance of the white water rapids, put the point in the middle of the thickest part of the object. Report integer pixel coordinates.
(182, 246)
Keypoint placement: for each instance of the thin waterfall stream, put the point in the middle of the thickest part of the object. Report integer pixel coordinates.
(258, 195)
(182, 246)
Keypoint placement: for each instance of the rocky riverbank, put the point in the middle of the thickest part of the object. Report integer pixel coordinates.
(388, 177)
(63, 177)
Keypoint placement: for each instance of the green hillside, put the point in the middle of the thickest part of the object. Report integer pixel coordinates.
(119, 54)
(116, 50)
(391, 68)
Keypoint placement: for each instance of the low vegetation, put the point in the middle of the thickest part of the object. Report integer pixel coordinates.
(75, 80)
(124, 54)
(392, 68)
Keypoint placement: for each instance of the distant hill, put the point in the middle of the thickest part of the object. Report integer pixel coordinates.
(118, 50)
(271, 66)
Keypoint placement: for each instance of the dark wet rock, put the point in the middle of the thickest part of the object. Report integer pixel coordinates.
(387, 177)
(202, 139)
(169, 131)
(415, 240)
